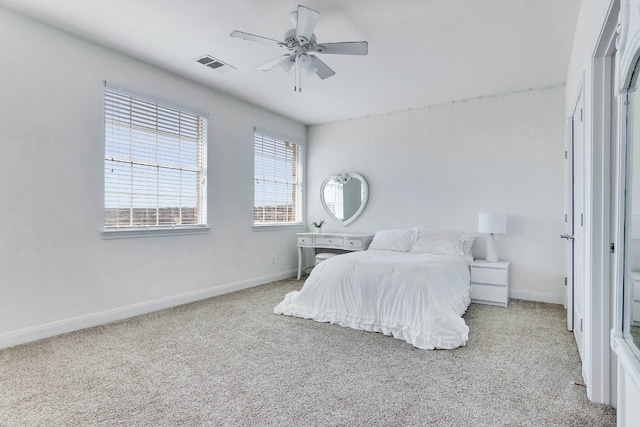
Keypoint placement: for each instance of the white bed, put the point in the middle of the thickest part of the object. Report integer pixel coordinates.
(411, 284)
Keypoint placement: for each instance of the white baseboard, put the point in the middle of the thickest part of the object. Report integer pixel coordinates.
(536, 296)
(47, 330)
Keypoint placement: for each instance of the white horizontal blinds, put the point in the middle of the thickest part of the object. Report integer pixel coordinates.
(278, 179)
(155, 162)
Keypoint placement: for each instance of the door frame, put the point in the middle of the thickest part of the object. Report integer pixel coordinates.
(575, 228)
(599, 372)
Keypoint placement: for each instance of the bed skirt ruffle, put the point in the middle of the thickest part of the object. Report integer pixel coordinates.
(425, 340)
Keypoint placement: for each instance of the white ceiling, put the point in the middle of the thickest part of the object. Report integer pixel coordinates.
(421, 52)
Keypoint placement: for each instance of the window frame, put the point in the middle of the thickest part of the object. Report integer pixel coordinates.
(200, 169)
(301, 202)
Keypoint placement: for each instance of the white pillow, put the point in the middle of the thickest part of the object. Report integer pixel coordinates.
(467, 242)
(438, 242)
(399, 240)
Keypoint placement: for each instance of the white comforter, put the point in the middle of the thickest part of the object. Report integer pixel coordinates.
(418, 298)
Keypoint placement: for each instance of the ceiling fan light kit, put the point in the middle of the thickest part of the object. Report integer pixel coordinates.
(301, 44)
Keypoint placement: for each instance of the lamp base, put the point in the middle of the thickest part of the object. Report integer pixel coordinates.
(492, 252)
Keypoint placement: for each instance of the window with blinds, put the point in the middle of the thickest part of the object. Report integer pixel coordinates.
(277, 180)
(155, 163)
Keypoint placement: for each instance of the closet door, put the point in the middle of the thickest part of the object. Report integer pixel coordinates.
(574, 231)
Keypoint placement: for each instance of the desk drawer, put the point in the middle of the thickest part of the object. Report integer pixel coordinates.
(329, 241)
(305, 241)
(352, 243)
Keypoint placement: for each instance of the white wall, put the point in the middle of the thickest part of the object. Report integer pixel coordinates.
(56, 273)
(590, 22)
(442, 165)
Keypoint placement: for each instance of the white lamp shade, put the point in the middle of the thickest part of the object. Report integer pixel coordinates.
(492, 223)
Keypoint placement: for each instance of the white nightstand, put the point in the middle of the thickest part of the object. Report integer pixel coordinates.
(490, 282)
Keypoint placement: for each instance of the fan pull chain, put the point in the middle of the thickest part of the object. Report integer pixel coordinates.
(297, 87)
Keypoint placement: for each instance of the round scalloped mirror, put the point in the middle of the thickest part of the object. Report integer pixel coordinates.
(344, 196)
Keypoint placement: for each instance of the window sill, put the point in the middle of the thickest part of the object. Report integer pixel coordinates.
(628, 357)
(276, 227)
(131, 233)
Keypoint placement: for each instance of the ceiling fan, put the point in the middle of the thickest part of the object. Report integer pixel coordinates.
(301, 44)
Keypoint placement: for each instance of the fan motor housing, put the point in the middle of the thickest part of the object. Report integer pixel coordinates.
(291, 40)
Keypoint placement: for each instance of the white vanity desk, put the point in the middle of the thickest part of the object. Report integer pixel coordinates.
(344, 241)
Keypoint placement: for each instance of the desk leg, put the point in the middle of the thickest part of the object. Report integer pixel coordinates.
(299, 262)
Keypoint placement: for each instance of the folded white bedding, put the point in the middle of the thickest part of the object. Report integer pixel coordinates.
(419, 298)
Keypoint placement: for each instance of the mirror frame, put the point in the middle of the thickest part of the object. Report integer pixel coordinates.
(365, 195)
(630, 133)
(627, 42)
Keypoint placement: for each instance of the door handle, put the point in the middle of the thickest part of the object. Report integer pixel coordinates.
(567, 236)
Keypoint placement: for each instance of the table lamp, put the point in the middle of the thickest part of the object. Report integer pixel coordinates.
(492, 223)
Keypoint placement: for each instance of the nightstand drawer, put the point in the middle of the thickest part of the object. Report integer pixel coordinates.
(329, 241)
(491, 293)
(489, 275)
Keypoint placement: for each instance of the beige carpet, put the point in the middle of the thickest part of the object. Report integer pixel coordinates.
(230, 361)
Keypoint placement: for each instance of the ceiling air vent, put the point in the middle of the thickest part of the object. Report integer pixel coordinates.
(216, 64)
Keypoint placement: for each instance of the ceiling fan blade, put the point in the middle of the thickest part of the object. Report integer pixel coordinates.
(253, 38)
(322, 70)
(344, 48)
(306, 23)
(273, 63)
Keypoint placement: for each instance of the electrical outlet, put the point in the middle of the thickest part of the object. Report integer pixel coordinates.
(273, 259)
